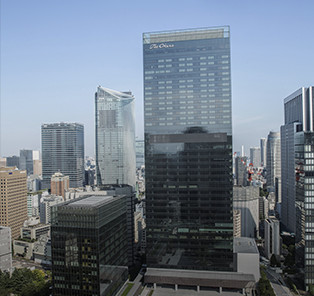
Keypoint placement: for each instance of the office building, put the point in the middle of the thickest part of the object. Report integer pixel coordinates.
(297, 152)
(13, 199)
(42, 250)
(273, 165)
(13, 161)
(5, 249)
(246, 200)
(46, 202)
(63, 151)
(89, 249)
(59, 184)
(26, 161)
(115, 137)
(255, 156)
(271, 237)
(140, 153)
(188, 149)
(236, 223)
(3, 161)
(241, 173)
(33, 229)
(33, 200)
(263, 144)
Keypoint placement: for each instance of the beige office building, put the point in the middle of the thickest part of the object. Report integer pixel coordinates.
(13, 199)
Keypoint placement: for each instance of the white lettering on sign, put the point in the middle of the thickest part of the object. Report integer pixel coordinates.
(161, 45)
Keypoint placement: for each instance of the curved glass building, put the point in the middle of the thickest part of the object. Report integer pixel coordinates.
(115, 137)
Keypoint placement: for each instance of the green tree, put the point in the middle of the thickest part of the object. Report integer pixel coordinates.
(273, 260)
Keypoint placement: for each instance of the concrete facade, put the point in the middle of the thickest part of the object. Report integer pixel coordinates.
(246, 199)
(272, 237)
(5, 249)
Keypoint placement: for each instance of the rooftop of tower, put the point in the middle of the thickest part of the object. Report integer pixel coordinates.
(186, 34)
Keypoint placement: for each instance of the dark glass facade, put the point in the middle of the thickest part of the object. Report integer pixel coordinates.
(89, 249)
(188, 149)
(304, 198)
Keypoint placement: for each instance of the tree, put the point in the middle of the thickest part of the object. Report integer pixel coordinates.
(273, 260)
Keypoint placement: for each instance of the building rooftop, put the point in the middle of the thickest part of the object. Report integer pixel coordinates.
(92, 201)
(199, 277)
(244, 245)
(186, 34)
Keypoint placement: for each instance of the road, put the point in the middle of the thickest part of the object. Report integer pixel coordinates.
(278, 283)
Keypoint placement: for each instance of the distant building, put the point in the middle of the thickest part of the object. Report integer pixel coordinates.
(5, 249)
(46, 203)
(3, 162)
(33, 200)
(273, 166)
(63, 151)
(115, 137)
(13, 199)
(90, 176)
(30, 232)
(33, 229)
(42, 250)
(59, 184)
(33, 183)
(255, 156)
(263, 205)
(140, 153)
(236, 223)
(26, 161)
(241, 173)
(271, 237)
(263, 145)
(89, 258)
(38, 167)
(13, 161)
(246, 199)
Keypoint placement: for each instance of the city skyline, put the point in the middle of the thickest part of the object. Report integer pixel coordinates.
(56, 63)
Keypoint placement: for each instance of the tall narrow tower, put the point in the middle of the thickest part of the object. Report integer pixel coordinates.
(188, 149)
(115, 137)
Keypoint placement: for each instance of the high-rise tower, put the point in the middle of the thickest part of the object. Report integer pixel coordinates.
(13, 199)
(63, 151)
(297, 168)
(273, 166)
(115, 137)
(188, 149)
(263, 144)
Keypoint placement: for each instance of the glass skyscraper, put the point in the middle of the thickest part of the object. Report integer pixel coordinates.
(89, 246)
(297, 168)
(63, 151)
(188, 149)
(115, 137)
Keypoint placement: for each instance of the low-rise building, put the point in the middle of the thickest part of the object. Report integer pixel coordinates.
(42, 250)
(246, 256)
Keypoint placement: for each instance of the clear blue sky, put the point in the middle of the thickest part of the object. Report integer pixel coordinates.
(55, 53)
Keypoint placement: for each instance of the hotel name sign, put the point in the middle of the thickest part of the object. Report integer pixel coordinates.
(161, 45)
